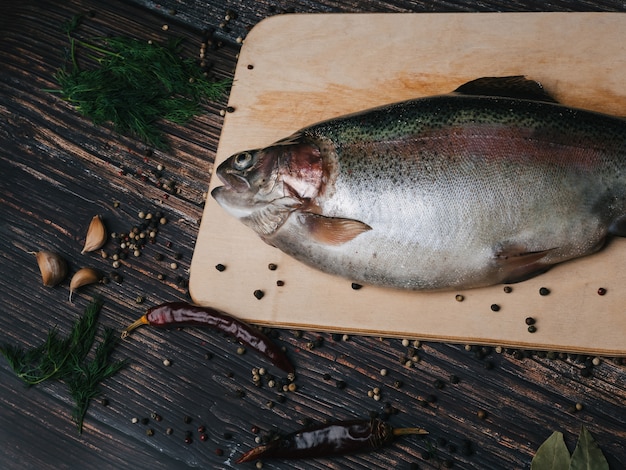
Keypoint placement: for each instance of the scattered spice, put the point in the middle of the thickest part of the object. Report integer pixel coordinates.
(272, 266)
(459, 298)
(601, 291)
(356, 286)
(495, 307)
(508, 289)
(330, 439)
(259, 294)
(532, 329)
(180, 314)
(220, 267)
(544, 291)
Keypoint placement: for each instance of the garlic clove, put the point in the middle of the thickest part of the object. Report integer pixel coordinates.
(82, 277)
(52, 266)
(96, 235)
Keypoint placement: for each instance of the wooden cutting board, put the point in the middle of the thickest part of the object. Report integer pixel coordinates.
(295, 70)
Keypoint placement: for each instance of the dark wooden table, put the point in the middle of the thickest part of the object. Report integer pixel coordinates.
(58, 170)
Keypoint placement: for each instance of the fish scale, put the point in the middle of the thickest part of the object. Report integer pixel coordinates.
(494, 183)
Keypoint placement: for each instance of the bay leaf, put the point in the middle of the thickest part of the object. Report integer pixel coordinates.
(552, 454)
(587, 455)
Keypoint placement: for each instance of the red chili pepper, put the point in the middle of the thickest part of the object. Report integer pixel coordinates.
(327, 440)
(180, 314)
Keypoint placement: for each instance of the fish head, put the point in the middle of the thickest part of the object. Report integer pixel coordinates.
(263, 186)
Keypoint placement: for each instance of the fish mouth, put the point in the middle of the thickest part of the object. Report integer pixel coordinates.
(232, 179)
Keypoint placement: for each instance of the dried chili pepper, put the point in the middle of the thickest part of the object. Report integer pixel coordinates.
(180, 314)
(327, 440)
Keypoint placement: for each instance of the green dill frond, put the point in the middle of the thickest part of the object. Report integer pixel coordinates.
(136, 84)
(66, 360)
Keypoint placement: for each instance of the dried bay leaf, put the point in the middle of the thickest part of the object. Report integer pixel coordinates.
(552, 454)
(587, 455)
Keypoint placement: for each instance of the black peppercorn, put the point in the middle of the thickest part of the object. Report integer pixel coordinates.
(220, 267)
(544, 291)
(259, 294)
(495, 307)
(356, 286)
(530, 321)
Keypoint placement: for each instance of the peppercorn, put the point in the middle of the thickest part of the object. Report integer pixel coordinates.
(495, 307)
(280, 283)
(530, 321)
(356, 286)
(532, 329)
(259, 294)
(272, 267)
(544, 291)
(459, 298)
(508, 289)
(601, 291)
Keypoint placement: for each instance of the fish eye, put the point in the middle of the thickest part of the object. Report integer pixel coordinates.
(242, 160)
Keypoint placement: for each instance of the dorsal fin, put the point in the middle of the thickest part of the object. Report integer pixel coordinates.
(516, 86)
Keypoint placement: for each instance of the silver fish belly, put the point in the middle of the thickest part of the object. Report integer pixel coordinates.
(494, 183)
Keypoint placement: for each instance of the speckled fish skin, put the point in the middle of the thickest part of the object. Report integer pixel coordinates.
(455, 191)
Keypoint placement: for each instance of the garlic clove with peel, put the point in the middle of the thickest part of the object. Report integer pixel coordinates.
(52, 266)
(82, 277)
(96, 235)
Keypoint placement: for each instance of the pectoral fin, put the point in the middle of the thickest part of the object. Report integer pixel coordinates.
(520, 265)
(332, 230)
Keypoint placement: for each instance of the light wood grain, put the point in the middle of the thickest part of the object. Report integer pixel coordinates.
(306, 68)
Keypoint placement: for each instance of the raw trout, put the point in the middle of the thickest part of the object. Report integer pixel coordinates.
(493, 183)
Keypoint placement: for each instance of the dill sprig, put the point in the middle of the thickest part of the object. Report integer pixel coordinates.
(135, 84)
(65, 359)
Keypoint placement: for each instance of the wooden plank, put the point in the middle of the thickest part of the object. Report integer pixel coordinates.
(338, 64)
